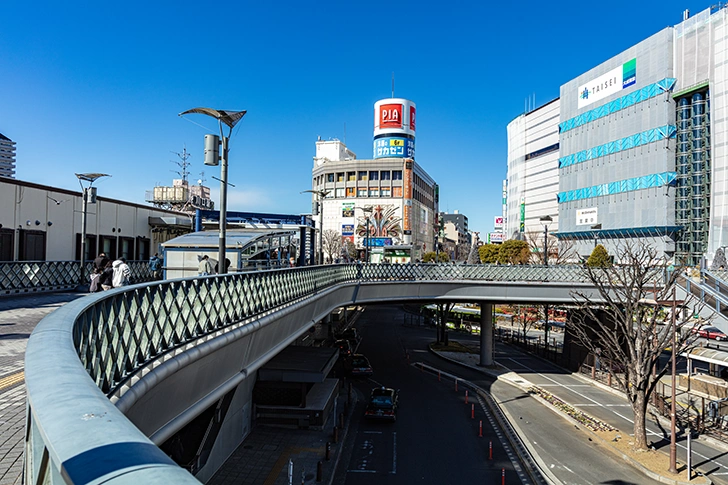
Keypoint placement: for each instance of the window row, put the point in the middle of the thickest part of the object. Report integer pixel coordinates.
(364, 192)
(364, 175)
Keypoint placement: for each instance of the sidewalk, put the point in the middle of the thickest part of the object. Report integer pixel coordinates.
(19, 314)
(472, 361)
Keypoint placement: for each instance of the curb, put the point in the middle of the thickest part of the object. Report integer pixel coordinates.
(628, 459)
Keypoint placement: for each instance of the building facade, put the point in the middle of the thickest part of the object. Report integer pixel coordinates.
(42, 223)
(641, 148)
(456, 230)
(533, 176)
(7, 157)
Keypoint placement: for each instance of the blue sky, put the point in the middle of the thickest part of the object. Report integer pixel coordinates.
(97, 87)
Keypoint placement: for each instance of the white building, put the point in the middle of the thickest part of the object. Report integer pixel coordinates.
(7, 157)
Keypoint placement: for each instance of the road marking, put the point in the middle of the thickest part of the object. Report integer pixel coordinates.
(372, 432)
(361, 471)
(11, 380)
(394, 457)
(282, 461)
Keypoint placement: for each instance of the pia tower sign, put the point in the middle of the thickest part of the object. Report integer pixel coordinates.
(394, 128)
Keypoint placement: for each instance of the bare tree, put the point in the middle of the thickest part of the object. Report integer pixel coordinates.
(526, 318)
(331, 242)
(559, 252)
(627, 331)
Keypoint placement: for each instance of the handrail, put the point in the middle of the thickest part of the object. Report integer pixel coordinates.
(83, 352)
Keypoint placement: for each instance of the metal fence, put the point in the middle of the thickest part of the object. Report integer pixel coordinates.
(32, 276)
(111, 335)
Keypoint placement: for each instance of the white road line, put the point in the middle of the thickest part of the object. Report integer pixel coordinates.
(394, 457)
(361, 471)
(649, 432)
(372, 432)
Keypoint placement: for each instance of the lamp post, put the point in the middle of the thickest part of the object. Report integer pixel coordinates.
(545, 221)
(86, 193)
(673, 438)
(596, 227)
(319, 207)
(368, 212)
(230, 119)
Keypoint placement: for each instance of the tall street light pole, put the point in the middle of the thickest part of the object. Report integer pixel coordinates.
(86, 193)
(596, 227)
(368, 212)
(545, 221)
(319, 205)
(673, 438)
(230, 119)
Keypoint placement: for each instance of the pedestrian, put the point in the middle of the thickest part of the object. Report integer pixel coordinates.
(95, 286)
(205, 267)
(100, 261)
(292, 262)
(106, 277)
(227, 266)
(122, 273)
(155, 266)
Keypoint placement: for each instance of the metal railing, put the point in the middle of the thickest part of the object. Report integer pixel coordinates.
(30, 276)
(112, 335)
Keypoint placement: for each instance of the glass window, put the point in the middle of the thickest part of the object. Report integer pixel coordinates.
(351, 176)
(373, 175)
(386, 192)
(340, 177)
(373, 192)
(396, 175)
(340, 192)
(396, 191)
(350, 191)
(385, 174)
(329, 177)
(361, 192)
(362, 175)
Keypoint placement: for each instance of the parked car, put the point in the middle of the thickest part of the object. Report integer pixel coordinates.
(358, 366)
(344, 347)
(712, 333)
(383, 403)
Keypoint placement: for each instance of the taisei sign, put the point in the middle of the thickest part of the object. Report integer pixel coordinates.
(607, 84)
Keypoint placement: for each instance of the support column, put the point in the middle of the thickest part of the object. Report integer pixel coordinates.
(486, 335)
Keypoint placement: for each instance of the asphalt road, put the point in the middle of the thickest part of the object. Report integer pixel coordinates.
(434, 440)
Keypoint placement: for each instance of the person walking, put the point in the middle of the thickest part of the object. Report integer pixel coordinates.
(100, 262)
(155, 266)
(106, 277)
(205, 267)
(122, 273)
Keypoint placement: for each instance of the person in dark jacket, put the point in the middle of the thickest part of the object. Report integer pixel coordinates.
(107, 276)
(100, 262)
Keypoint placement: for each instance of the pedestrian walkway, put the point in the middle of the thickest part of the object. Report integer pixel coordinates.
(19, 314)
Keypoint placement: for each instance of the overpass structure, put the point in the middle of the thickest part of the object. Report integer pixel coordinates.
(113, 376)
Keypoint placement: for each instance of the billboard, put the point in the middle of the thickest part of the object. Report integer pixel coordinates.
(347, 229)
(347, 209)
(498, 222)
(394, 146)
(587, 217)
(395, 115)
(607, 84)
(496, 237)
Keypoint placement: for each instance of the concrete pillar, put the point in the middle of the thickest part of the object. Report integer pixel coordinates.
(486, 335)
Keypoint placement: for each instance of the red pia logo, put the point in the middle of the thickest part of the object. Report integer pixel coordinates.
(390, 116)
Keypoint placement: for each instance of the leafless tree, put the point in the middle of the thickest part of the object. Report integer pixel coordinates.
(559, 252)
(331, 242)
(628, 329)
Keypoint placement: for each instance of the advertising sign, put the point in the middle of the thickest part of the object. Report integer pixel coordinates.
(412, 117)
(394, 146)
(498, 222)
(587, 217)
(390, 115)
(607, 84)
(347, 209)
(347, 229)
(522, 225)
(378, 242)
(496, 237)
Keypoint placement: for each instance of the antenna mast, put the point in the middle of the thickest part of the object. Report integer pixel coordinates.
(183, 164)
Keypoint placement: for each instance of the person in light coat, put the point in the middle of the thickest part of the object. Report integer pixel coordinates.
(122, 273)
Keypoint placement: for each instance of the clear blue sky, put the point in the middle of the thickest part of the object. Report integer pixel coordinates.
(96, 87)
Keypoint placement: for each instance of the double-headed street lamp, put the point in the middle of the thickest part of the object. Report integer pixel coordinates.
(318, 209)
(86, 194)
(213, 157)
(545, 221)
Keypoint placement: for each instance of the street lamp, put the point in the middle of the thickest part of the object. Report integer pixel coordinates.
(230, 119)
(596, 227)
(318, 206)
(545, 221)
(368, 212)
(86, 194)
